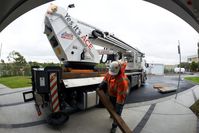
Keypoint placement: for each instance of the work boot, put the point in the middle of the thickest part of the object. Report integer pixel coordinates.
(113, 130)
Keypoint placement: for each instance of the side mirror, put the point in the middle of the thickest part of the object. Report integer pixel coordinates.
(71, 6)
(146, 65)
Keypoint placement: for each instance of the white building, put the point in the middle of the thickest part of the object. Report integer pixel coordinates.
(156, 69)
(192, 58)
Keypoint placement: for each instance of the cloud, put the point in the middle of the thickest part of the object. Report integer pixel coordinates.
(152, 29)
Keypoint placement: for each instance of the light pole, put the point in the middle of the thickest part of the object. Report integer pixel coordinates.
(0, 51)
(70, 6)
(179, 78)
(198, 52)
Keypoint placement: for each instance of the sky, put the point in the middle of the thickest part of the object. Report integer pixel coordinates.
(147, 27)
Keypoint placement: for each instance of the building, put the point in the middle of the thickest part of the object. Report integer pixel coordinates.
(156, 69)
(170, 67)
(192, 58)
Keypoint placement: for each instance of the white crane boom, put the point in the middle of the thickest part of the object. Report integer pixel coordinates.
(73, 40)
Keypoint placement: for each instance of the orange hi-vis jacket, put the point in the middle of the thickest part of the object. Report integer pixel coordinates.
(118, 85)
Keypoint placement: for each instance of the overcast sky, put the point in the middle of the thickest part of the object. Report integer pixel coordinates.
(152, 29)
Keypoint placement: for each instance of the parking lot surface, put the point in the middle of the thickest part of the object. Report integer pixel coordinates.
(164, 114)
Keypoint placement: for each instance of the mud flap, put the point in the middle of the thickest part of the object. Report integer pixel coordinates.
(38, 109)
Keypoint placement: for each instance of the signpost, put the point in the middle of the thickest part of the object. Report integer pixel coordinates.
(0, 51)
(198, 53)
(179, 77)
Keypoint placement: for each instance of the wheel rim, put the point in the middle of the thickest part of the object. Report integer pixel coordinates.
(139, 82)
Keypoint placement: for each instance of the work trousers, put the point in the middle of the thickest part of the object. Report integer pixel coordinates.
(118, 109)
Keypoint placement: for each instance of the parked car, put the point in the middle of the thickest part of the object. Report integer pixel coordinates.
(178, 70)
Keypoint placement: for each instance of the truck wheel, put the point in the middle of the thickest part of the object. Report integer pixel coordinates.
(139, 82)
(57, 119)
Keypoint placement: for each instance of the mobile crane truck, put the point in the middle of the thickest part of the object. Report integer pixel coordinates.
(73, 86)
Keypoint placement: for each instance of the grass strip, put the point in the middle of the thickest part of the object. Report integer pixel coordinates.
(195, 108)
(16, 81)
(193, 79)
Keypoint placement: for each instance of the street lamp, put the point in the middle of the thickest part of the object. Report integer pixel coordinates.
(70, 6)
(0, 51)
(179, 78)
(198, 51)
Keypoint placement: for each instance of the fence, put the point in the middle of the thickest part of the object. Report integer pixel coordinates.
(14, 70)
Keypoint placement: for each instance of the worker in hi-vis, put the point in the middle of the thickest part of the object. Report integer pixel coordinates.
(116, 84)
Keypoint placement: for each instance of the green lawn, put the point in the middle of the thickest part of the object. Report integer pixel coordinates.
(16, 81)
(195, 108)
(193, 79)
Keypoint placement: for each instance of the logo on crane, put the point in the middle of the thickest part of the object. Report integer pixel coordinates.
(66, 35)
(87, 41)
(72, 24)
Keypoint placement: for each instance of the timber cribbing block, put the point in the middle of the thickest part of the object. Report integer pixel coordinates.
(158, 86)
(121, 123)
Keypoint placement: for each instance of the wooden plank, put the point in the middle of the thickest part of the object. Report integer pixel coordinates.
(164, 88)
(121, 123)
(158, 86)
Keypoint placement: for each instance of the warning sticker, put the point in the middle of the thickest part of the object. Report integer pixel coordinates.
(42, 81)
(66, 35)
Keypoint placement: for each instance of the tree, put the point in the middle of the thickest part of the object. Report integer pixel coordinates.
(193, 66)
(17, 63)
(2, 61)
(33, 63)
(17, 58)
(185, 65)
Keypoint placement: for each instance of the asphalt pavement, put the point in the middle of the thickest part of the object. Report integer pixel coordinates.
(147, 92)
(165, 114)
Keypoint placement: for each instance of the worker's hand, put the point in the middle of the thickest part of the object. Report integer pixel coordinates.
(102, 86)
(98, 89)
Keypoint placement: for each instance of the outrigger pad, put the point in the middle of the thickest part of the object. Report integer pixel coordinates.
(162, 88)
(57, 118)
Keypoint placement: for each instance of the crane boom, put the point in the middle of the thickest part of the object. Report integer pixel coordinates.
(73, 40)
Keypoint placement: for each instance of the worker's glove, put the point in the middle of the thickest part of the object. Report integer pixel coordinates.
(103, 86)
(119, 108)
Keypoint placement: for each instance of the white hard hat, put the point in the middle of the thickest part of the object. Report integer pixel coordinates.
(114, 68)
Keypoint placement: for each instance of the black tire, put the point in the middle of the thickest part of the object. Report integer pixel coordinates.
(144, 78)
(97, 33)
(139, 81)
(57, 119)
